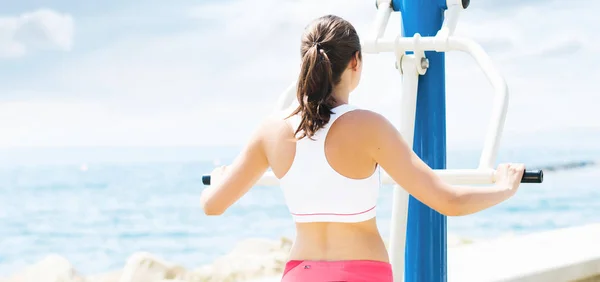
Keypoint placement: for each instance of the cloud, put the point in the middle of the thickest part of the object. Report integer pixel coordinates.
(208, 63)
(213, 80)
(39, 30)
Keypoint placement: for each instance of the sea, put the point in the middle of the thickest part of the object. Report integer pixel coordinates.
(96, 206)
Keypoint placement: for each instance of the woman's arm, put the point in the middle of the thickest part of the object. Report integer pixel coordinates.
(230, 183)
(392, 153)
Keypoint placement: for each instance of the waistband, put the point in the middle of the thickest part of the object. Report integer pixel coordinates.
(341, 270)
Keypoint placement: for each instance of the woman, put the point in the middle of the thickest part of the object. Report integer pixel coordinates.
(327, 155)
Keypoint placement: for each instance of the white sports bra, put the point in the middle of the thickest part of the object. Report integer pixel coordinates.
(315, 192)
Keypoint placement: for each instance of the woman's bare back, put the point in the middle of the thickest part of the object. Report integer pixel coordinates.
(345, 153)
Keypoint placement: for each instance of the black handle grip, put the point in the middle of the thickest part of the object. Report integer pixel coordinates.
(533, 176)
(206, 179)
(465, 3)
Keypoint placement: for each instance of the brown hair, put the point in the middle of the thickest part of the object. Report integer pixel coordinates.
(328, 45)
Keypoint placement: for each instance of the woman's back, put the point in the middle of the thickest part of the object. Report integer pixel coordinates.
(331, 186)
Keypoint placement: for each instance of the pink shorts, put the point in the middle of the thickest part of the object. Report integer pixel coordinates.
(337, 271)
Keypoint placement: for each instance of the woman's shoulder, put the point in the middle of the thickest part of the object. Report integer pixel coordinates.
(277, 123)
(369, 125)
(363, 117)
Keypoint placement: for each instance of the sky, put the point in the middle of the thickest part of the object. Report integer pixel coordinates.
(202, 73)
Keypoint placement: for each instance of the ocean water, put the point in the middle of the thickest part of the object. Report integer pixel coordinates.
(97, 217)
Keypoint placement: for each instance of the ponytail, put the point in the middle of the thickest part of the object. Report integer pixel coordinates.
(315, 85)
(328, 46)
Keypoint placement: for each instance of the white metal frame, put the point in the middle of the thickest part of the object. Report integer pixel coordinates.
(410, 67)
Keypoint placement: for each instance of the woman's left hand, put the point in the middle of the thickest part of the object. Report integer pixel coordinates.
(217, 175)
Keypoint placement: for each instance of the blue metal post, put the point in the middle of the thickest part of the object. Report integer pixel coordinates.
(426, 232)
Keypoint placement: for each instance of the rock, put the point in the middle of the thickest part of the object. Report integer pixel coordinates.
(105, 277)
(52, 268)
(145, 267)
(250, 259)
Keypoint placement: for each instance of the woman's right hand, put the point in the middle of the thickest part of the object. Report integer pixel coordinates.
(509, 176)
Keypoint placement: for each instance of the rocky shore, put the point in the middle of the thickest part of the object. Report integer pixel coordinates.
(250, 259)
